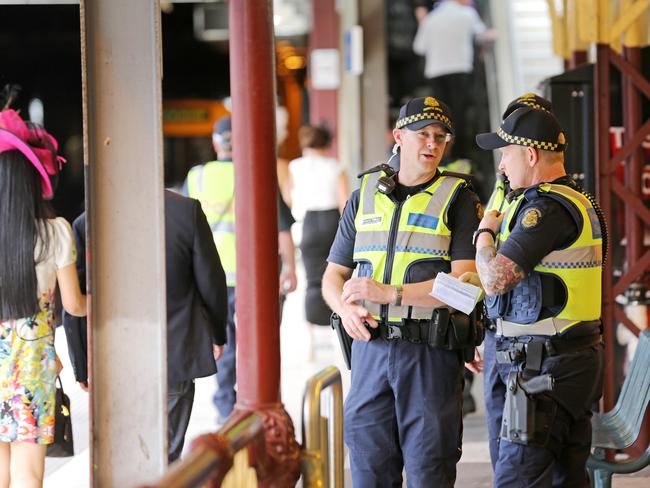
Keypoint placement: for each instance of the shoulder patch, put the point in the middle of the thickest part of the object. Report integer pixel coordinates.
(479, 210)
(531, 218)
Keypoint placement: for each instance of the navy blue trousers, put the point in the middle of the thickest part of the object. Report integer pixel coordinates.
(404, 410)
(560, 463)
(494, 390)
(225, 396)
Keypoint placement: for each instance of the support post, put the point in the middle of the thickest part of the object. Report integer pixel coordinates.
(123, 152)
(252, 78)
(324, 35)
(602, 110)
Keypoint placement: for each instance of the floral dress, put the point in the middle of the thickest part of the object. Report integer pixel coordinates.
(27, 358)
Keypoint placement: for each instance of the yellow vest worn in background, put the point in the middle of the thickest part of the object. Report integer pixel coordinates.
(213, 184)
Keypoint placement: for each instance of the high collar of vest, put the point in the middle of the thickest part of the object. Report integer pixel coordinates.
(532, 192)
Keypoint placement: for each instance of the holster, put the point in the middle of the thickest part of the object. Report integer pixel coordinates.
(529, 411)
(457, 330)
(345, 340)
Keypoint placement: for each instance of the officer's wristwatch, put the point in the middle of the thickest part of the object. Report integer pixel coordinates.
(398, 298)
(480, 231)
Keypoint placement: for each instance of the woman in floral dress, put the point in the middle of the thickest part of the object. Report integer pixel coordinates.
(36, 253)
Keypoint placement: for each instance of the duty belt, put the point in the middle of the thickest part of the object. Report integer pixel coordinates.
(417, 333)
(532, 350)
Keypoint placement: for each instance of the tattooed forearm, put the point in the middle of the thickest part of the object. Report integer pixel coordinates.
(498, 274)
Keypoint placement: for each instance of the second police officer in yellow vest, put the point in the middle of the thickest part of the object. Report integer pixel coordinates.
(541, 262)
(404, 408)
(494, 388)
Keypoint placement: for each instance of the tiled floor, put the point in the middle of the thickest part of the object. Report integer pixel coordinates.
(473, 471)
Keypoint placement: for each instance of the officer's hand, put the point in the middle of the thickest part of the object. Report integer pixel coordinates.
(356, 289)
(491, 220)
(476, 365)
(83, 385)
(471, 277)
(354, 317)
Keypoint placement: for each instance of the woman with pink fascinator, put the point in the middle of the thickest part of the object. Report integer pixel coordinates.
(36, 253)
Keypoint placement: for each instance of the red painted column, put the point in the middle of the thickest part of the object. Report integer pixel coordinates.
(252, 82)
(323, 104)
(634, 165)
(604, 194)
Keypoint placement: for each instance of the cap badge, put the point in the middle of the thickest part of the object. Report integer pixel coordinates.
(431, 104)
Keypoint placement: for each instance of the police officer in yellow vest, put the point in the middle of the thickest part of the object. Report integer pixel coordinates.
(213, 184)
(494, 388)
(542, 260)
(404, 408)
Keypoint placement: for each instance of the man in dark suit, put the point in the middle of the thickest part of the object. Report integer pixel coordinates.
(197, 308)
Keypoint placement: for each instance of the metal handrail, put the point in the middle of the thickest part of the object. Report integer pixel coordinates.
(211, 455)
(329, 377)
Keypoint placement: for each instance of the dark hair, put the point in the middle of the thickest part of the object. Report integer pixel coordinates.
(22, 215)
(314, 137)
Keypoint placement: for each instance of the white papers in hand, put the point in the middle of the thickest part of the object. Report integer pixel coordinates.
(455, 293)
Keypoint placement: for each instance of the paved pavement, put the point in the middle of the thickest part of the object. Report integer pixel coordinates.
(298, 365)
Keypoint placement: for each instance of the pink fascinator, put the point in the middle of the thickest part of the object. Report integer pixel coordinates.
(36, 145)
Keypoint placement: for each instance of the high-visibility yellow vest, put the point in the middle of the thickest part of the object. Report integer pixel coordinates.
(393, 237)
(578, 267)
(498, 196)
(213, 184)
(463, 166)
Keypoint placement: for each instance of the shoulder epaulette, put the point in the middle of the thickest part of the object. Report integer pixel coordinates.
(468, 179)
(380, 167)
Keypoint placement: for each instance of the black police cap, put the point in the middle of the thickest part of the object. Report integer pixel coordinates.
(528, 100)
(423, 111)
(526, 126)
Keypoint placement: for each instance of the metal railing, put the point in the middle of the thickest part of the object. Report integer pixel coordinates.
(211, 455)
(319, 433)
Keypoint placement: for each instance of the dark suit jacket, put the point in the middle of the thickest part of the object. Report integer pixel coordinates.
(197, 302)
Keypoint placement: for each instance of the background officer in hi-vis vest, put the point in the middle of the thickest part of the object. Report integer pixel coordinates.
(213, 184)
(540, 263)
(404, 408)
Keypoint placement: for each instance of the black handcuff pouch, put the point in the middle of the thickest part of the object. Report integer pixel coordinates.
(457, 330)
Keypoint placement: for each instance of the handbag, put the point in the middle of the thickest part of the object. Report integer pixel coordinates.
(63, 445)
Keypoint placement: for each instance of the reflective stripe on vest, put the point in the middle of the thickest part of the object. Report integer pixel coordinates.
(420, 233)
(498, 197)
(213, 184)
(579, 266)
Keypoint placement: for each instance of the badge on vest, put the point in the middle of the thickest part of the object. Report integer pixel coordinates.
(371, 221)
(531, 218)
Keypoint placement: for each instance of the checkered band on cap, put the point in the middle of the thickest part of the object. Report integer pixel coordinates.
(422, 116)
(525, 141)
(531, 103)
